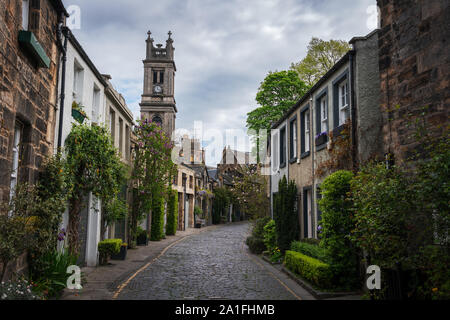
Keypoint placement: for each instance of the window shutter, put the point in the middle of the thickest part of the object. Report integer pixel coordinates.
(302, 133)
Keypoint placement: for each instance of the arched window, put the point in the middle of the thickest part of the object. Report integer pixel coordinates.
(157, 119)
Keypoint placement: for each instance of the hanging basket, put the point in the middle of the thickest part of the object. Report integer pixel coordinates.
(78, 116)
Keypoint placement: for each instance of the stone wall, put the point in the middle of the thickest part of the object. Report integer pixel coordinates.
(27, 93)
(414, 69)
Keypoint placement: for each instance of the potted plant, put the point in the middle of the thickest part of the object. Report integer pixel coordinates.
(107, 248)
(321, 138)
(142, 237)
(122, 255)
(78, 113)
(198, 212)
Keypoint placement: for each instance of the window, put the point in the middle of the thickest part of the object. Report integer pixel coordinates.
(293, 139)
(175, 179)
(96, 104)
(344, 110)
(307, 131)
(16, 157)
(191, 182)
(112, 124)
(158, 77)
(305, 135)
(127, 142)
(157, 119)
(323, 115)
(25, 14)
(120, 136)
(283, 147)
(77, 82)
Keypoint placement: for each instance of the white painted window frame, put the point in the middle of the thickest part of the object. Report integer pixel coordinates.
(324, 114)
(307, 131)
(25, 14)
(16, 158)
(343, 102)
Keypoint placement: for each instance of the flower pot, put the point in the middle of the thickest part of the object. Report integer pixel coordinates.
(321, 139)
(122, 255)
(142, 240)
(78, 116)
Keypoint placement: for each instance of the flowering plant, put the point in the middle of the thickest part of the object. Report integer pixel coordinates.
(321, 134)
(17, 290)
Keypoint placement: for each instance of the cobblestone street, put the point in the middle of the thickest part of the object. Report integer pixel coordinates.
(211, 265)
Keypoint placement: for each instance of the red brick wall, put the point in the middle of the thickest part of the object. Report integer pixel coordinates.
(27, 93)
(414, 68)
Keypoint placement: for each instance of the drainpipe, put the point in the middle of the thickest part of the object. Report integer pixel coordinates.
(312, 147)
(62, 30)
(353, 113)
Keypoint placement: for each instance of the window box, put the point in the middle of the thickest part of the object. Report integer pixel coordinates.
(322, 139)
(77, 115)
(34, 48)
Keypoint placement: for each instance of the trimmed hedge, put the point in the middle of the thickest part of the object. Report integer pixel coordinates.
(157, 228)
(172, 213)
(311, 250)
(256, 245)
(313, 270)
(108, 247)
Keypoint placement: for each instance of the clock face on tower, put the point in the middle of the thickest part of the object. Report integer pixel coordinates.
(157, 89)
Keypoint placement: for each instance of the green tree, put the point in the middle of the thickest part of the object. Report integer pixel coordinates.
(249, 190)
(92, 165)
(322, 56)
(172, 213)
(277, 93)
(153, 172)
(285, 214)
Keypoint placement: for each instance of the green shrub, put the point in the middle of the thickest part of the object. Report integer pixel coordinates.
(286, 214)
(270, 235)
(172, 213)
(108, 247)
(313, 270)
(337, 224)
(157, 228)
(311, 241)
(52, 277)
(311, 250)
(256, 245)
(258, 229)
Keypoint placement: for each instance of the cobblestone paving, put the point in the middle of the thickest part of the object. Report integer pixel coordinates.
(210, 265)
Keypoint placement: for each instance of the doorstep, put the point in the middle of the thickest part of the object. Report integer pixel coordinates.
(321, 295)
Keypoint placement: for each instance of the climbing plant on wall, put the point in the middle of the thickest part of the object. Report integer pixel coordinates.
(92, 165)
(153, 172)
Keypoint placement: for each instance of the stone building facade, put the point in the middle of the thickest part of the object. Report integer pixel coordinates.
(29, 61)
(343, 103)
(158, 100)
(414, 55)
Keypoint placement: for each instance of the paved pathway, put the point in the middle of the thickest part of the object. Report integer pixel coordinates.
(214, 264)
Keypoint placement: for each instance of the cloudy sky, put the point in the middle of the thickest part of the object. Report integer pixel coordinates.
(224, 49)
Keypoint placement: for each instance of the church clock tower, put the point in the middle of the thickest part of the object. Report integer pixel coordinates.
(158, 101)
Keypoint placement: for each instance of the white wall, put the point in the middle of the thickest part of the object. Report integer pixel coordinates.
(85, 96)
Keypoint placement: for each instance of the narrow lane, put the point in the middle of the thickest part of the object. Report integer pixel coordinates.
(210, 265)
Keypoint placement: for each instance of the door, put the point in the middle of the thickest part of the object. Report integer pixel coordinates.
(186, 213)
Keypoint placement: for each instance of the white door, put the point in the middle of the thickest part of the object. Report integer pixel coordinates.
(186, 213)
